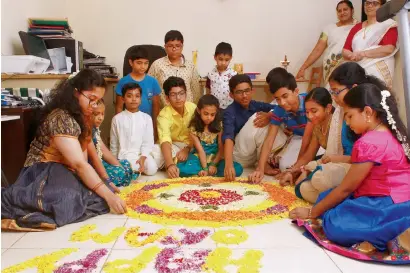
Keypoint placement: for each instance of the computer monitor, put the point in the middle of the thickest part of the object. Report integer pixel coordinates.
(35, 46)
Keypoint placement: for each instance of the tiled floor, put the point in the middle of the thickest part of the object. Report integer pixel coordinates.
(284, 247)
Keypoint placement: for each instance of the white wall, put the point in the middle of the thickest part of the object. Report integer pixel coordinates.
(260, 31)
(14, 15)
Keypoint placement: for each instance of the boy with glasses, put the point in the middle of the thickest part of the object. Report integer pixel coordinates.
(173, 122)
(245, 124)
(175, 64)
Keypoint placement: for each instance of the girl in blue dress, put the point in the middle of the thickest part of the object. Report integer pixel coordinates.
(206, 158)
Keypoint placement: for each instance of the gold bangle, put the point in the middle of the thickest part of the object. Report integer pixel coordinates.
(97, 186)
(310, 214)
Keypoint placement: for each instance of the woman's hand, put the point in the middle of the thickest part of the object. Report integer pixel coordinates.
(357, 56)
(203, 173)
(301, 74)
(299, 213)
(116, 204)
(212, 170)
(349, 56)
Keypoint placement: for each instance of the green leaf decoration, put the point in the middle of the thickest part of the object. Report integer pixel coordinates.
(251, 193)
(165, 195)
(213, 207)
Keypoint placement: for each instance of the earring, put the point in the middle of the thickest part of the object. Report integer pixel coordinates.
(368, 120)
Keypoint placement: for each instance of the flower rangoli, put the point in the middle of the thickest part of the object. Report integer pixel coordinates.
(210, 202)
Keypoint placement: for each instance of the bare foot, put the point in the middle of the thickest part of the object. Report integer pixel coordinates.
(271, 171)
(286, 179)
(404, 240)
(365, 247)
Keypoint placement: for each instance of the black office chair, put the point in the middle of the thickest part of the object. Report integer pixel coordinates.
(154, 52)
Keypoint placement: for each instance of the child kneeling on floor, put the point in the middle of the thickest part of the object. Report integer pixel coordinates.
(206, 135)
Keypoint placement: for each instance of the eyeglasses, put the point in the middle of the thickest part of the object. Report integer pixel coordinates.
(372, 3)
(336, 92)
(91, 103)
(177, 47)
(177, 95)
(242, 92)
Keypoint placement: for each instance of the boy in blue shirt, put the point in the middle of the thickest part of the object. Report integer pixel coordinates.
(291, 113)
(245, 125)
(151, 90)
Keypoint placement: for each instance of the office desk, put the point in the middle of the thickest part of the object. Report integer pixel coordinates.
(9, 118)
(48, 81)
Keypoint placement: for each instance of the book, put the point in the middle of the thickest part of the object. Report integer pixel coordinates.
(49, 21)
(48, 31)
(95, 61)
(31, 26)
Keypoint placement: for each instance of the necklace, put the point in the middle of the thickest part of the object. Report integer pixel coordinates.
(327, 127)
(377, 126)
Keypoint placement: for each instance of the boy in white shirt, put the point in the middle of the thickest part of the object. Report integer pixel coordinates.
(132, 135)
(217, 82)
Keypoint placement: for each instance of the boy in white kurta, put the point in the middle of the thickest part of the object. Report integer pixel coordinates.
(132, 135)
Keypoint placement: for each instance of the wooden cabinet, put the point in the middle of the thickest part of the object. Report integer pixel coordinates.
(16, 136)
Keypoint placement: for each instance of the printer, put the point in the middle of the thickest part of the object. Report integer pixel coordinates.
(24, 64)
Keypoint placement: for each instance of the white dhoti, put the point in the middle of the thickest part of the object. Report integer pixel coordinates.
(159, 158)
(249, 141)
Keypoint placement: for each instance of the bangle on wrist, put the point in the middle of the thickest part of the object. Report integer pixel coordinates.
(205, 169)
(310, 214)
(96, 186)
(213, 164)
